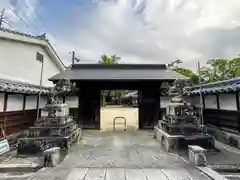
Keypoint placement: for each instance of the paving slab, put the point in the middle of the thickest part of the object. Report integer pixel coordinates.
(114, 174)
(136, 149)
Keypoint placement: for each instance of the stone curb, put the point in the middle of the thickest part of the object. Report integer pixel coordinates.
(211, 173)
(19, 168)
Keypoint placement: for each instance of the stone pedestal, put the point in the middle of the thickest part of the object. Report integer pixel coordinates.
(51, 157)
(197, 155)
(55, 128)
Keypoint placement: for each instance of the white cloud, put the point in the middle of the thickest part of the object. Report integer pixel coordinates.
(148, 31)
(21, 14)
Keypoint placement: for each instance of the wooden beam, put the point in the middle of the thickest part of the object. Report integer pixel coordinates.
(24, 101)
(218, 102)
(203, 101)
(37, 106)
(238, 109)
(237, 101)
(5, 101)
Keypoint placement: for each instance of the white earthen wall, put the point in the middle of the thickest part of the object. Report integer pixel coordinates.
(210, 101)
(228, 102)
(1, 101)
(18, 62)
(15, 102)
(31, 102)
(43, 101)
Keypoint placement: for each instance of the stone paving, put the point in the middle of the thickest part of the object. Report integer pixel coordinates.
(118, 155)
(120, 149)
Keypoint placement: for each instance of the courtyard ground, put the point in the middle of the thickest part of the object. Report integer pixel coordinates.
(118, 155)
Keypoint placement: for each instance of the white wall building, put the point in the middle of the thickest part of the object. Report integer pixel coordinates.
(20, 74)
(18, 58)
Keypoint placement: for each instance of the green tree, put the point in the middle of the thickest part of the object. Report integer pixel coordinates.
(220, 69)
(193, 77)
(234, 68)
(114, 59)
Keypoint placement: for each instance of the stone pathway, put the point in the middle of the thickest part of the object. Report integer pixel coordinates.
(115, 174)
(120, 150)
(116, 156)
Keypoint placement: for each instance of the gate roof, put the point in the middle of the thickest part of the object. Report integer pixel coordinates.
(118, 72)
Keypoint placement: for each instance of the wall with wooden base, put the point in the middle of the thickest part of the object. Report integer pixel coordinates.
(221, 110)
(18, 111)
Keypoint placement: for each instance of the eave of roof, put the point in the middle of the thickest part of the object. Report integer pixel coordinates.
(37, 40)
(118, 72)
(24, 88)
(226, 86)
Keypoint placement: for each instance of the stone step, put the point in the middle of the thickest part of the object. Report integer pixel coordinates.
(19, 167)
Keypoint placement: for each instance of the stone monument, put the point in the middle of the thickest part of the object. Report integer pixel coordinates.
(54, 128)
(180, 125)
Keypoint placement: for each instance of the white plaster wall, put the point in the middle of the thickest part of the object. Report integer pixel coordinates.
(1, 101)
(18, 62)
(72, 101)
(43, 101)
(228, 101)
(15, 102)
(31, 102)
(164, 101)
(210, 101)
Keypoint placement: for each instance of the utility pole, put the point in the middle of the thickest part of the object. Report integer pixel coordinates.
(74, 58)
(200, 93)
(1, 17)
(40, 58)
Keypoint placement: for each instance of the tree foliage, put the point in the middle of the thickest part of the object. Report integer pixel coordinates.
(114, 59)
(193, 77)
(214, 70)
(220, 69)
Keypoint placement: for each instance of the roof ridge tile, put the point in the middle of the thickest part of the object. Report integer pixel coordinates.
(40, 37)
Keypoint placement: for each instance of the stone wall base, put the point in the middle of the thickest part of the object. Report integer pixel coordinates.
(177, 142)
(224, 136)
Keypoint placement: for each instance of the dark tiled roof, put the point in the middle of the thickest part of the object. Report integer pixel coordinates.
(232, 85)
(19, 87)
(119, 72)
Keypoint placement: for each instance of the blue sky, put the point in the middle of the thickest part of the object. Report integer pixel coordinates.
(139, 31)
